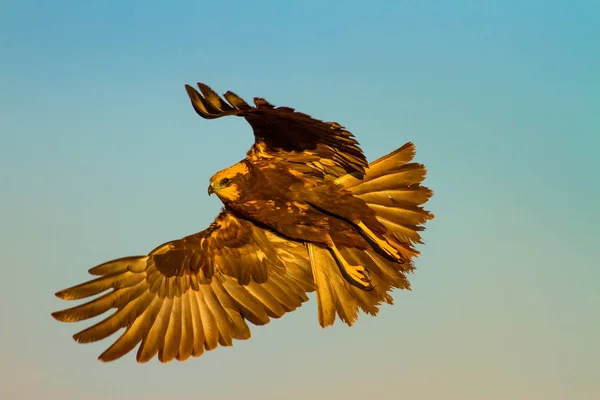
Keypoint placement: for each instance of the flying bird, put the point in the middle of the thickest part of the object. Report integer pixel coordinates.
(303, 212)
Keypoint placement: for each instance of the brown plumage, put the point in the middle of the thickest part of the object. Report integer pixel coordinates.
(303, 211)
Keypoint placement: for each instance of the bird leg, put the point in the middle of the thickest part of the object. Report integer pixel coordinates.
(356, 275)
(383, 244)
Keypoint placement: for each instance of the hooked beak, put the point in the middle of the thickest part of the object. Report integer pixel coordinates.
(211, 190)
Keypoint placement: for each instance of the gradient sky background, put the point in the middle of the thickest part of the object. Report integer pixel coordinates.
(102, 156)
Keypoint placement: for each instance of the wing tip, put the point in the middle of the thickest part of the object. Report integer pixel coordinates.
(62, 294)
(109, 355)
(67, 294)
(59, 316)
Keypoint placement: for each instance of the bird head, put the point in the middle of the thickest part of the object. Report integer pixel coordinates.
(227, 183)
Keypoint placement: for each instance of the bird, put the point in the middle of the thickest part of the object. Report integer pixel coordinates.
(303, 212)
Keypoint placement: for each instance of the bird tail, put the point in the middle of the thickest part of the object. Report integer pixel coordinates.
(391, 187)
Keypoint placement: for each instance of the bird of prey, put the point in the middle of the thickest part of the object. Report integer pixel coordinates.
(303, 212)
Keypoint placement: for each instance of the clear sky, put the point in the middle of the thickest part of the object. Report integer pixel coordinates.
(102, 156)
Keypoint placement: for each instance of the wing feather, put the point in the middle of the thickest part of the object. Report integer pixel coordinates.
(186, 347)
(192, 295)
(153, 341)
(134, 333)
(197, 323)
(282, 132)
(274, 307)
(250, 308)
(241, 330)
(286, 292)
(221, 317)
(172, 337)
(123, 317)
(209, 322)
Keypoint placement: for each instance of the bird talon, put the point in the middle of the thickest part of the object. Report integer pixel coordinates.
(358, 276)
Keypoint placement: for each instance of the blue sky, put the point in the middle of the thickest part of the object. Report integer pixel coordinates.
(102, 156)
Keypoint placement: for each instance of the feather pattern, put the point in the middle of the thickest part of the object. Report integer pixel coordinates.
(177, 311)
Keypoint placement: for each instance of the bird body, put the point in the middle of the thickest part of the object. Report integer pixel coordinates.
(304, 211)
(297, 206)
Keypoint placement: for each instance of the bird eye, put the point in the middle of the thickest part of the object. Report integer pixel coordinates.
(224, 181)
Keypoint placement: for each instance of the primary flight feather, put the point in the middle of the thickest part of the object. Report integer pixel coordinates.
(304, 211)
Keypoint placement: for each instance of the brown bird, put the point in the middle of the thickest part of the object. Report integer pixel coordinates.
(303, 211)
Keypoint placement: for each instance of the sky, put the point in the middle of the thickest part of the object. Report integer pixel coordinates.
(102, 156)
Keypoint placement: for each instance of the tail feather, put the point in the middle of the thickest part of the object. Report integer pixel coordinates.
(333, 295)
(408, 195)
(382, 166)
(403, 233)
(405, 215)
(392, 188)
(409, 173)
(386, 274)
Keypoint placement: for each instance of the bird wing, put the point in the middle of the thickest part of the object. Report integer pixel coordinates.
(284, 133)
(190, 295)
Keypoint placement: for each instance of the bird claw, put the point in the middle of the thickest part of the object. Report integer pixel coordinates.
(358, 276)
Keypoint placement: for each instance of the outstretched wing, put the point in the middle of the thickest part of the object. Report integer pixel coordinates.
(192, 294)
(284, 133)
